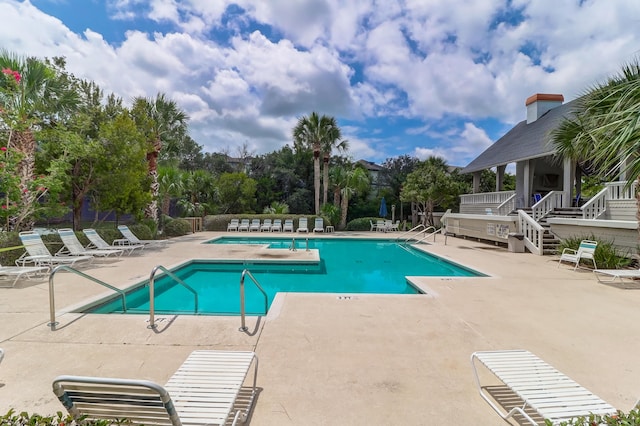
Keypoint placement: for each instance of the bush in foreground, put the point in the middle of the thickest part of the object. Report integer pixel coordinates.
(622, 419)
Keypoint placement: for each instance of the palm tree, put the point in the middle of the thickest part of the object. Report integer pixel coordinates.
(162, 121)
(313, 132)
(32, 94)
(356, 179)
(170, 185)
(333, 140)
(605, 126)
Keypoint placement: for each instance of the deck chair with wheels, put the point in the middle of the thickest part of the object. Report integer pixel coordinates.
(131, 239)
(266, 226)
(96, 242)
(288, 225)
(233, 225)
(255, 225)
(244, 225)
(202, 391)
(542, 390)
(73, 246)
(302, 225)
(276, 226)
(586, 250)
(616, 274)
(37, 254)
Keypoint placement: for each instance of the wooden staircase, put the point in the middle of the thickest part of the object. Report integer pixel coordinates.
(549, 241)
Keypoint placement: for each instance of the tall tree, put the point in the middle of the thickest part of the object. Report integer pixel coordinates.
(162, 121)
(430, 185)
(604, 127)
(333, 140)
(313, 132)
(32, 95)
(347, 179)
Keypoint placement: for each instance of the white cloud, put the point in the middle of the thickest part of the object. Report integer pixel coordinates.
(436, 62)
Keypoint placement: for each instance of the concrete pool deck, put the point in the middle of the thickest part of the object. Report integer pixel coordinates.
(324, 359)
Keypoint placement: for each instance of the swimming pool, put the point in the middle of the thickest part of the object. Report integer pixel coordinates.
(346, 266)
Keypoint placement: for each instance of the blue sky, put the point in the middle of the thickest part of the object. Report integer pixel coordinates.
(415, 77)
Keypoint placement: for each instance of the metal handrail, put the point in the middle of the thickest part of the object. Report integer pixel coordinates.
(424, 231)
(152, 323)
(248, 273)
(420, 225)
(52, 305)
(434, 233)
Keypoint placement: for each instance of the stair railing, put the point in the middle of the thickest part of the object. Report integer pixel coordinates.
(597, 205)
(533, 233)
(549, 202)
(507, 206)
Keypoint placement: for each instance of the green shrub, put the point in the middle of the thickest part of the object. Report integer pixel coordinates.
(24, 418)
(607, 256)
(630, 419)
(142, 231)
(361, 224)
(177, 228)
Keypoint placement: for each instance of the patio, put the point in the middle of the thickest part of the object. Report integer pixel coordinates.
(363, 359)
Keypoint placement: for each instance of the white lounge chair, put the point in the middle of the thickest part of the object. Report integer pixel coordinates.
(318, 225)
(373, 226)
(130, 238)
(266, 226)
(96, 241)
(255, 225)
(543, 390)
(302, 225)
(277, 225)
(244, 225)
(586, 250)
(37, 254)
(233, 225)
(202, 391)
(73, 246)
(15, 273)
(616, 274)
(288, 225)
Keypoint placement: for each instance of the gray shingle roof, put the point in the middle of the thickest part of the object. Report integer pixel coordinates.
(524, 141)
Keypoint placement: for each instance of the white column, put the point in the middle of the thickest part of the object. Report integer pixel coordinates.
(476, 182)
(568, 176)
(500, 177)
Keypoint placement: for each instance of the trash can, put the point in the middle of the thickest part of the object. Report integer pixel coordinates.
(515, 242)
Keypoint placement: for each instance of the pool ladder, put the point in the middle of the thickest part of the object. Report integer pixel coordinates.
(52, 304)
(152, 323)
(292, 247)
(414, 232)
(247, 273)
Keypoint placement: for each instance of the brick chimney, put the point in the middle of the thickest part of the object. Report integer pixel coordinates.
(540, 103)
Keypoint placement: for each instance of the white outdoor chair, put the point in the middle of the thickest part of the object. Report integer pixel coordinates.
(586, 250)
(202, 392)
(96, 241)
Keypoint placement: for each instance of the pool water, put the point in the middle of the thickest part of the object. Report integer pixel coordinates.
(346, 266)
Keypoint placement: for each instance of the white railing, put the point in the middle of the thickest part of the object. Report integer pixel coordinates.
(533, 233)
(550, 201)
(487, 197)
(597, 205)
(621, 190)
(613, 191)
(508, 206)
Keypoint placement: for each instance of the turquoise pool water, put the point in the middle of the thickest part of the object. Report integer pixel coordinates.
(346, 266)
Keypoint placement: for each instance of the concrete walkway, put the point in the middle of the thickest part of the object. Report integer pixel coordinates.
(324, 359)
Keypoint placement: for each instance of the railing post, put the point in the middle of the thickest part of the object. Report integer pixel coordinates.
(152, 301)
(52, 304)
(243, 326)
(307, 249)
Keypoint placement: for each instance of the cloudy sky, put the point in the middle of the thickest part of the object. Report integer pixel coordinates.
(416, 77)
